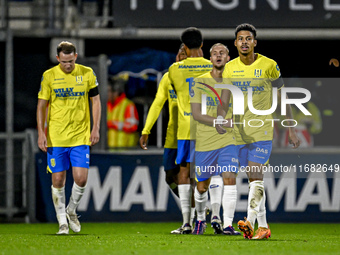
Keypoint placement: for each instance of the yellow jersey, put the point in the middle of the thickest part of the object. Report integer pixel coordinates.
(207, 138)
(262, 76)
(165, 92)
(68, 117)
(181, 75)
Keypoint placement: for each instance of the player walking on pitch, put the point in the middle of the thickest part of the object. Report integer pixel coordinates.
(67, 88)
(181, 75)
(253, 70)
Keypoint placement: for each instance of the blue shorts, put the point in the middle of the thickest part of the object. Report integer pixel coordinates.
(258, 152)
(169, 159)
(210, 163)
(185, 151)
(59, 158)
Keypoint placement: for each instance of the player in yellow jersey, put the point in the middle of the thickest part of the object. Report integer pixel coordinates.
(67, 88)
(165, 92)
(254, 141)
(181, 75)
(215, 154)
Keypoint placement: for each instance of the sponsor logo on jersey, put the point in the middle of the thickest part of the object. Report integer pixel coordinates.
(235, 160)
(244, 85)
(68, 92)
(212, 101)
(172, 94)
(194, 66)
(187, 113)
(258, 149)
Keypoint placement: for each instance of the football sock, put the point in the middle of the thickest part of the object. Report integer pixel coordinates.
(184, 191)
(200, 203)
(255, 197)
(229, 204)
(58, 197)
(261, 216)
(76, 195)
(215, 191)
(192, 215)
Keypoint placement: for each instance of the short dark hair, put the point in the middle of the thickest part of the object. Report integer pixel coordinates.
(66, 48)
(247, 27)
(192, 38)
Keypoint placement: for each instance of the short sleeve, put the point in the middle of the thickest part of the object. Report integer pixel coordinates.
(45, 88)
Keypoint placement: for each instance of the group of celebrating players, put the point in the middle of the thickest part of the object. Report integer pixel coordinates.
(194, 142)
(203, 133)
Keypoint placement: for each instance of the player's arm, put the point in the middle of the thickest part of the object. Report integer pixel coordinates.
(41, 118)
(96, 115)
(293, 138)
(222, 110)
(201, 118)
(277, 81)
(154, 111)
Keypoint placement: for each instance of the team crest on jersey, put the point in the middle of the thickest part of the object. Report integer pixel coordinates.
(52, 162)
(258, 73)
(79, 79)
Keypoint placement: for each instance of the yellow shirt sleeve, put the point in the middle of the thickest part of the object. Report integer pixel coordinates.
(157, 104)
(45, 88)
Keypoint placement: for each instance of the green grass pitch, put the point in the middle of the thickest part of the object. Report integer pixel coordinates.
(155, 238)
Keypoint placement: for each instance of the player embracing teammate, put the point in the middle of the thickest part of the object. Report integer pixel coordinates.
(254, 143)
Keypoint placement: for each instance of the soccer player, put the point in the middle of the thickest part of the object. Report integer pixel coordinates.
(166, 92)
(181, 75)
(215, 154)
(67, 88)
(253, 70)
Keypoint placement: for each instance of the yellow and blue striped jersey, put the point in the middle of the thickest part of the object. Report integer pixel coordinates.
(261, 76)
(68, 117)
(165, 92)
(207, 138)
(181, 75)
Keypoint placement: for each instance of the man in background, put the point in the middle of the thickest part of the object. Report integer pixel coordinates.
(122, 117)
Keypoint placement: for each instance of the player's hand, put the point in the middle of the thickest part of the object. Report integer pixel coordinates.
(94, 137)
(42, 142)
(294, 139)
(220, 129)
(229, 123)
(143, 140)
(334, 62)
